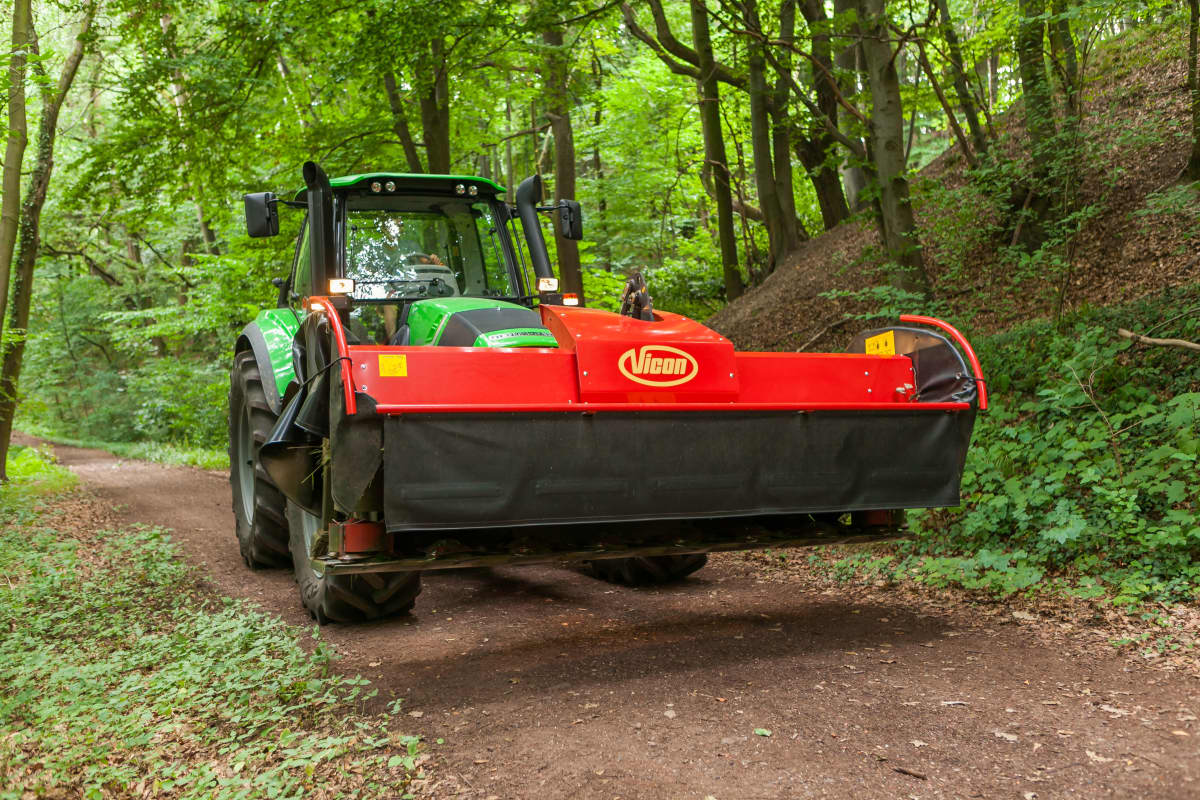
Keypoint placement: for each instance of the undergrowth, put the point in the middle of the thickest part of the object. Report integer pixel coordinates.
(121, 680)
(1081, 476)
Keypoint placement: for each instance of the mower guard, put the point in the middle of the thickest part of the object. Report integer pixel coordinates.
(630, 420)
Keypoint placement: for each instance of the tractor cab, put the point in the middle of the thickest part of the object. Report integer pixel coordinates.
(406, 254)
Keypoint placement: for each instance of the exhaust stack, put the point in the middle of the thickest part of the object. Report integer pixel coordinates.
(320, 225)
(529, 194)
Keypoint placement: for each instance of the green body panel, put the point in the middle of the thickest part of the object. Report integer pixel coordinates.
(278, 327)
(517, 337)
(427, 319)
(350, 180)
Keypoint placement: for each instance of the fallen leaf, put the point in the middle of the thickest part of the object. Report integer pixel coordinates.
(374, 663)
(954, 702)
(1099, 759)
(669, 713)
(761, 732)
(1065, 733)
(1116, 712)
(1024, 616)
(1008, 737)
(918, 743)
(1180, 733)
(416, 714)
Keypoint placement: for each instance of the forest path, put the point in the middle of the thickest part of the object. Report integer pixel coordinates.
(545, 683)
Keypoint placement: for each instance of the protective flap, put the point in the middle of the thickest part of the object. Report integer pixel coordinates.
(485, 470)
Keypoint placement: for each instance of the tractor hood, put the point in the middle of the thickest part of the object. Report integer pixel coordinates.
(476, 322)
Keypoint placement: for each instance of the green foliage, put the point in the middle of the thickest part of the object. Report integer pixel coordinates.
(1082, 473)
(1178, 202)
(120, 680)
(32, 472)
(603, 288)
(886, 302)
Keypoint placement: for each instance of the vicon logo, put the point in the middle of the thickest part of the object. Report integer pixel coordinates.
(658, 365)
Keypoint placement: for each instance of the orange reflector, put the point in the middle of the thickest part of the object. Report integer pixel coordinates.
(570, 299)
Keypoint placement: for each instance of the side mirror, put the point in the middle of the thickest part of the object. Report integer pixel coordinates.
(262, 215)
(570, 220)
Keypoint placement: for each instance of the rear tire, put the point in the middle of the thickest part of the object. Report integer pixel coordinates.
(345, 598)
(648, 570)
(258, 506)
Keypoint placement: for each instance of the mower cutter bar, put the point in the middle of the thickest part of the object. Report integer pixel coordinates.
(814, 534)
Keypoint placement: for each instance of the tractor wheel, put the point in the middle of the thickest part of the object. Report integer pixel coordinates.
(648, 570)
(257, 505)
(345, 598)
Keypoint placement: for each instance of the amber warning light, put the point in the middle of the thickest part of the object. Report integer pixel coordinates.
(570, 299)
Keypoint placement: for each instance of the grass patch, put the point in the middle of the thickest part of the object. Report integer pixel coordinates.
(158, 452)
(121, 679)
(33, 473)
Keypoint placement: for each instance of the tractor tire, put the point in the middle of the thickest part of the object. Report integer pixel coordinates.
(345, 598)
(647, 570)
(258, 506)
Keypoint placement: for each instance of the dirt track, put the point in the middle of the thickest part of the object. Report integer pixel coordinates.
(545, 683)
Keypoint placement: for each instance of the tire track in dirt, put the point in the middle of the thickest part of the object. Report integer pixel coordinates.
(545, 683)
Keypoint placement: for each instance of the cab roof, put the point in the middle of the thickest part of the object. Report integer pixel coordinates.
(408, 180)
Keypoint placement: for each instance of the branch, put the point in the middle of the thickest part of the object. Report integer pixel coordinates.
(1137, 337)
(666, 46)
(643, 36)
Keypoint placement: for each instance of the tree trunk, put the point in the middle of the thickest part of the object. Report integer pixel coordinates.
(400, 122)
(826, 181)
(715, 161)
(781, 132)
(435, 112)
(1062, 43)
(558, 109)
(31, 213)
(1039, 115)
(897, 225)
(965, 102)
(849, 63)
(14, 151)
(1192, 171)
(760, 140)
(815, 153)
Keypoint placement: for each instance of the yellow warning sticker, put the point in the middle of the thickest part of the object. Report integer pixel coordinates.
(393, 365)
(882, 345)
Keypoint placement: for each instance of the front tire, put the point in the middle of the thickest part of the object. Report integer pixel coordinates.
(647, 570)
(345, 598)
(258, 506)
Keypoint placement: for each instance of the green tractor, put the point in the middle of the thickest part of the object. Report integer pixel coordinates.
(423, 397)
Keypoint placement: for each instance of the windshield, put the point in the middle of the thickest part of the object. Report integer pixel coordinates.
(408, 248)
